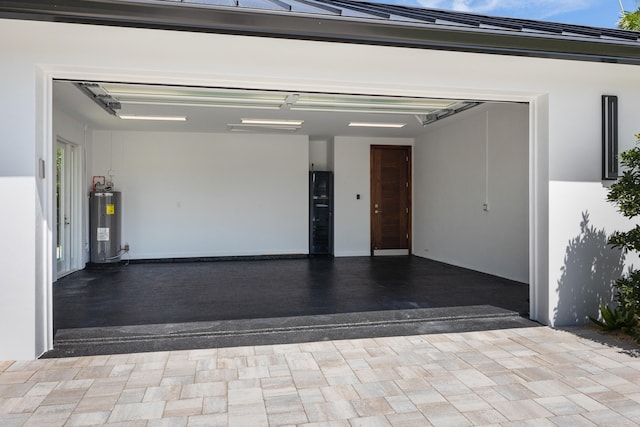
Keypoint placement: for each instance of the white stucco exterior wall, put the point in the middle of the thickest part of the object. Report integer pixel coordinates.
(564, 147)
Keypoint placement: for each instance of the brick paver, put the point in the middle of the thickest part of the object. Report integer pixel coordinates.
(529, 376)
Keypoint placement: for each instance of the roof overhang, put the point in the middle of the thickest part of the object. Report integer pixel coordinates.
(291, 25)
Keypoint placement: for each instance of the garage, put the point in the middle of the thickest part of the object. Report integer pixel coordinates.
(222, 177)
(233, 176)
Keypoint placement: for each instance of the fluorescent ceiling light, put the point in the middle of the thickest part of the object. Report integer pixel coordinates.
(159, 118)
(269, 122)
(364, 110)
(205, 104)
(261, 128)
(377, 125)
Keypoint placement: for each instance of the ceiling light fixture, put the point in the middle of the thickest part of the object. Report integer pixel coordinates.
(270, 122)
(204, 104)
(239, 127)
(158, 118)
(377, 125)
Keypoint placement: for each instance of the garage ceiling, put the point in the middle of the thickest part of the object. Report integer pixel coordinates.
(103, 106)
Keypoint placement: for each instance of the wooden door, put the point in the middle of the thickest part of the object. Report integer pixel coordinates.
(390, 198)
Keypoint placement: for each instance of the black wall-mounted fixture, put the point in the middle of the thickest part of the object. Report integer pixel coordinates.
(609, 137)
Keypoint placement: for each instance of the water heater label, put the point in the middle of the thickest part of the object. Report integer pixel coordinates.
(111, 209)
(103, 234)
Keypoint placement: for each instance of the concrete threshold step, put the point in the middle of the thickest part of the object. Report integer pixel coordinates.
(282, 330)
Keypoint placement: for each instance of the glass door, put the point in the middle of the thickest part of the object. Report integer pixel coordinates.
(65, 162)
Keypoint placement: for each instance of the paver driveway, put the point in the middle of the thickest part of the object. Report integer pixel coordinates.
(512, 377)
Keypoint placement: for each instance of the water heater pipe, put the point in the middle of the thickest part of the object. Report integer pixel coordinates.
(97, 178)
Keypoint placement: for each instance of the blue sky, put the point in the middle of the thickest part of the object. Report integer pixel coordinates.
(598, 13)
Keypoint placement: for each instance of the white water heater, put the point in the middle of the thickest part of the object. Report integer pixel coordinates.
(105, 225)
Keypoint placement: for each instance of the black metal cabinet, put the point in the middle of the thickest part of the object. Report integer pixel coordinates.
(320, 213)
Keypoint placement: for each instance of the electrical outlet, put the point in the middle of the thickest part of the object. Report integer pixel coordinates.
(126, 247)
(485, 207)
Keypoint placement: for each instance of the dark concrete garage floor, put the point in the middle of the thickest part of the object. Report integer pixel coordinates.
(151, 293)
(184, 305)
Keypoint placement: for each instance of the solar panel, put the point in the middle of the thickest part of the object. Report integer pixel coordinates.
(263, 4)
(362, 8)
(621, 34)
(311, 7)
(213, 2)
(401, 13)
(482, 21)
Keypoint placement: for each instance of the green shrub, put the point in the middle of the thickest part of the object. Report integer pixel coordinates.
(615, 319)
(625, 193)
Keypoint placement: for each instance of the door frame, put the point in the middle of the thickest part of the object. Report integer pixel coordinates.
(74, 188)
(539, 287)
(408, 149)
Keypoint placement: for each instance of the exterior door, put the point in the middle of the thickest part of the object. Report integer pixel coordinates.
(65, 162)
(390, 200)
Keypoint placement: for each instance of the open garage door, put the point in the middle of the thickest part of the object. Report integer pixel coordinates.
(217, 173)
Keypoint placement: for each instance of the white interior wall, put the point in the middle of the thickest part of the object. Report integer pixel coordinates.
(478, 157)
(319, 155)
(194, 194)
(331, 154)
(565, 127)
(352, 171)
(67, 127)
